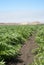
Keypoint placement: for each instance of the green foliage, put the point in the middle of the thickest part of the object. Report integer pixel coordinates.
(2, 63)
(39, 57)
(11, 40)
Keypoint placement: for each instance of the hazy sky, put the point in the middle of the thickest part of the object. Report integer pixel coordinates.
(21, 10)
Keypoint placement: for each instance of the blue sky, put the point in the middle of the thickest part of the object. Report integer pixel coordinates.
(21, 10)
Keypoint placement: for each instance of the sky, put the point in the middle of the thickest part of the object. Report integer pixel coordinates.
(15, 11)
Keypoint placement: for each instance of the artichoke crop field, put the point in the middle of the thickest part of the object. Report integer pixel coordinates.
(12, 37)
(11, 40)
(39, 57)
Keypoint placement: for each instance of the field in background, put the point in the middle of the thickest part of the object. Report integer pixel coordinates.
(23, 23)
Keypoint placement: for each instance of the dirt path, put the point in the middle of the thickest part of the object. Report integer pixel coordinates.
(26, 56)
